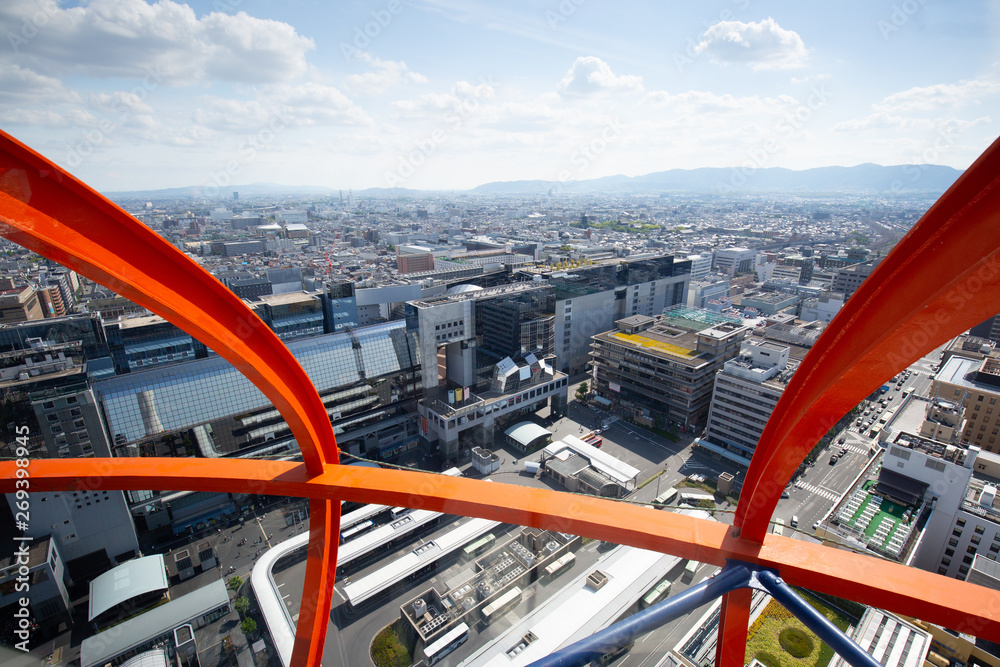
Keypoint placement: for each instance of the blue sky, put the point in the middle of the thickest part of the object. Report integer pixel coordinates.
(128, 94)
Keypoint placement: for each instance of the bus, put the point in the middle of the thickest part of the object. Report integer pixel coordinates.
(399, 511)
(450, 641)
(779, 527)
(484, 543)
(501, 605)
(667, 497)
(560, 565)
(660, 591)
(594, 440)
(356, 530)
(689, 570)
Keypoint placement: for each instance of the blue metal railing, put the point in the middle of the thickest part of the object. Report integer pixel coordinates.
(735, 574)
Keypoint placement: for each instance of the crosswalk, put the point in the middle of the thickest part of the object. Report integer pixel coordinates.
(857, 449)
(815, 490)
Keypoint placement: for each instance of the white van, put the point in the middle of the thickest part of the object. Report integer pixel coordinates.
(795, 521)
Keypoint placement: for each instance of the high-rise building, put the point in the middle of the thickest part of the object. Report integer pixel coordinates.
(590, 299)
(486, 361)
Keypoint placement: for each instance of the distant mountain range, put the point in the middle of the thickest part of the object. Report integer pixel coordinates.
(864, 178)
(870, 178)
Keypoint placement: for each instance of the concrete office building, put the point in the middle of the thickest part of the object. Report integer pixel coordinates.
(734, 261)
(990, 329)
(974, 384)
(745, 393)
(849, 278)
(771, 303)
(48, 597)
(701, 266)
(93, 529)
(661, 370)
(18, 302)
(823, 308)
(701, 292)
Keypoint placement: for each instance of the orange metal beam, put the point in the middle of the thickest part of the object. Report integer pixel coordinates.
(734, 619)
(885, 584)
(941, 278)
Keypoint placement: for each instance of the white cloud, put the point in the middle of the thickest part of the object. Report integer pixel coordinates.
(938, 96)
(464, 98)
(131, 39)
(304, 105)
(700, 102)
(590, 75)
(20, 86)
(762, 45)
(386, 74)
(883, 121)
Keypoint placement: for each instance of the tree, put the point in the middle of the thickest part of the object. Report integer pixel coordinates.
(248, 626)
(581, 391)
(242, 604)
(234, 583)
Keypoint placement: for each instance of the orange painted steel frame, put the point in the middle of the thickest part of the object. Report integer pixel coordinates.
(940, 279)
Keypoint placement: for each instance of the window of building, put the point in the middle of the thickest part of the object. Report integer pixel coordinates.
(967, 560)
(963, 570)
(975, 539)
(980, 530)
(942, 570)
(946, 561)
(970, 549)
(953, 542)
(957, 532)
(949, 552)
(960, 523)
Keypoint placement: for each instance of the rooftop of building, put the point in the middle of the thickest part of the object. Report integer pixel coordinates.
(978, 374)
(933, 448)
(284, 299)
(485, 293)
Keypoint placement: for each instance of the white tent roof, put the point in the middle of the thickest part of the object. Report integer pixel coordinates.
(132, 578)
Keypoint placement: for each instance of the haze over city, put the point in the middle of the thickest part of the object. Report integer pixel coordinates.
(435, 94)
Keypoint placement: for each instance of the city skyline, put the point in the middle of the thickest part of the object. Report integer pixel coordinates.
(132, 96)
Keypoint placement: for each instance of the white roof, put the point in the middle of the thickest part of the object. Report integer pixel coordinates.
(609, 465)
(154, 658)
(132, 578)
(428, 552)
(526, 432)
(103, 647)
(578, 611)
